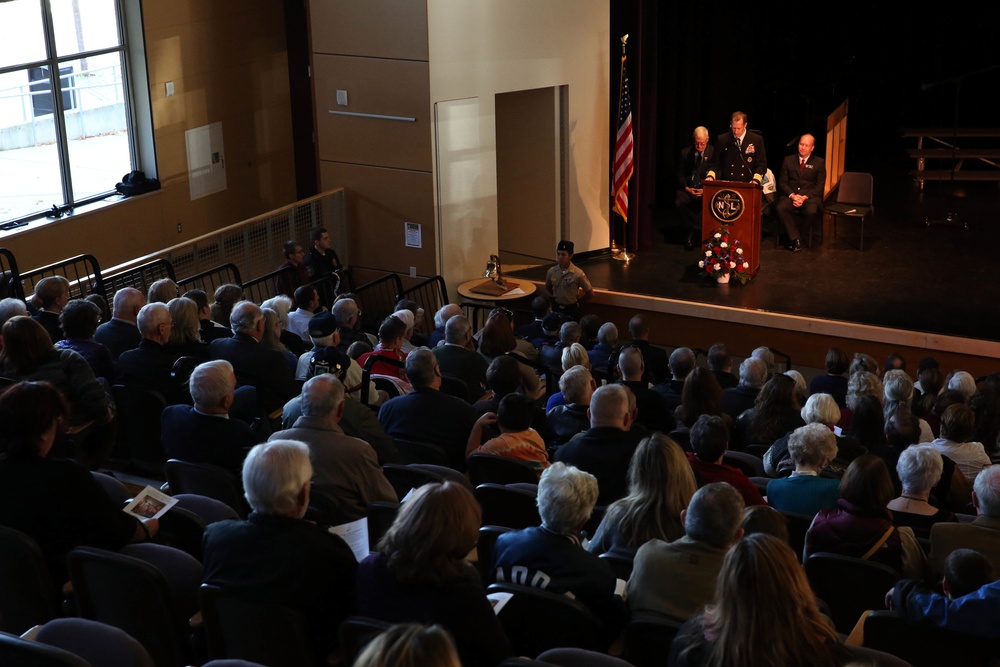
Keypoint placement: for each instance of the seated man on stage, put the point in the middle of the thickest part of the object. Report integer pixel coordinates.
(800, 185)
(739, 155)
(691, 169)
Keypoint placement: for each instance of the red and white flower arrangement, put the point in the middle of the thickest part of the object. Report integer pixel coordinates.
(724, 258)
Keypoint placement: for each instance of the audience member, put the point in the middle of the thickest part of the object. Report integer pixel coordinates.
(550, 356)
(52, 295)
(517, 440)
(745, 627)
(55, 501)
(458, 358)
(605, 449)
(149, 365)
(254, 364)
(720, 362)
(701, 395)
(552, 557)
(919, 468)
(272, 339)
(897, 394)
(185, 330)
(811, 448)
(293, 270)
(602, 355)
(764, 354)
(660, 486)
(677, 579)
(390, 336)
(407, 318)
(957, 428)
(420, 573)
(11, 307)
(321, 260)
(981, 534)
(682, 362)
(293, 342)
(441, 317)
(767, 520)
(498, 339)
(532, 331)
(653, 412)
(860, 526)
(209, 329)
(275, 556)
(833, 382)
(657, 364)
(162, 291)
(753, 375)
(565, 421)
(326, 357)
(79, 320)
(962, 382)
(348, 315)
(985, 406)
(410, 645)
(710, 441)
(819, 409)
(426, 414)
(572, 355)
(347, 468)
(206, 432)
(121, 333)
(226, 296)
(775, 412)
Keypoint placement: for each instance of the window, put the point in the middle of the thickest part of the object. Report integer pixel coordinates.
(74, 103)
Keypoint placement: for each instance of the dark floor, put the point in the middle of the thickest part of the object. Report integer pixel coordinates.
(909, 276)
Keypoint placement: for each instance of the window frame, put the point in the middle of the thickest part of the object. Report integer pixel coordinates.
(135, 93)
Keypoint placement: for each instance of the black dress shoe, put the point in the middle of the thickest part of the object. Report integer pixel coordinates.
(689, 241)
(795, 246)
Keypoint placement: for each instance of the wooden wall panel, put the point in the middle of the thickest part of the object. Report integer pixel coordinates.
(374, 28)
(379, 201)
(374, 86)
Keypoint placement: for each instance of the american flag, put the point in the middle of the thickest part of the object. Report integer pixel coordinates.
(623, 148)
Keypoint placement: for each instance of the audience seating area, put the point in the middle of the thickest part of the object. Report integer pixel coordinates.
(148, 600)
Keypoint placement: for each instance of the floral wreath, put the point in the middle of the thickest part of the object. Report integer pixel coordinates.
(724, 257)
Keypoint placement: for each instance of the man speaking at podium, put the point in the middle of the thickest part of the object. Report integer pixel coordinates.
(739, 154)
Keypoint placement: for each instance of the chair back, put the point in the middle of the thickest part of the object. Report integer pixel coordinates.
(99, 644)
(798, 526)
(455, 386)
(406, 477)
(413, 451)
(621, 565)
(757, 450)
(486, 549)
(209, 509)
(138, 421)
(849, 586)
(207, 480)
(271, 634)
(380, 518)
(25, 653)
(492, 469)
(648, 639)
(131, 595)
(536, 620)
(140, 277)
(855, 188)
(751, 465)
(579, 657)
(507, 506)
(182, 529)
(115, 489)
(27, 594)
(355, 633)
(923, 645)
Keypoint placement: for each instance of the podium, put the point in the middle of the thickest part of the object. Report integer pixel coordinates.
(735, 205)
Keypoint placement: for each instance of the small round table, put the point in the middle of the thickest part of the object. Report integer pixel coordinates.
(465, 289)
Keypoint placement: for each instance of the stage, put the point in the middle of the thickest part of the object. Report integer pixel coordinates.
(918, 285)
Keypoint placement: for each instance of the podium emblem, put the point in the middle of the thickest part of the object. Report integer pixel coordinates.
(727, 205)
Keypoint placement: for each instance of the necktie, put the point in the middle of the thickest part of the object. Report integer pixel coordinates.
(802, 164)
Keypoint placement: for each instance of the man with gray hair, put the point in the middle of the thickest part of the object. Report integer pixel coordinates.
(981, 534)
(275, 556)
(459, 359)
(657, 362)
(551, 556)
(564, 421)
(347, 468)
(653, 411)
(254, 364)
(604, 350)
(753, 375)
(426, 414)
(764, 354)
(441, 317)
(605, 449)
(678, 579)
(204, 433)
(682, 362)
(692, 167)
(121, 333)
(148, 366)
(348, 315)
(550, 356)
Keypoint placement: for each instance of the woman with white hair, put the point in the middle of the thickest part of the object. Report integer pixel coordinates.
(897, 388)
(572, 355)
(811, 448)
(551, 556)
(963, 383)
(282, 305)
(919, 468)
(819, 409)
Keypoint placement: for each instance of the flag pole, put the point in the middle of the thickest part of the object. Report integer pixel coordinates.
(621, 254)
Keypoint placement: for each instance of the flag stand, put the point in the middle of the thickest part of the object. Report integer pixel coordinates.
(623, 148)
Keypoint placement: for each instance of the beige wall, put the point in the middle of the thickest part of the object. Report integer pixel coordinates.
(478, 49)
(228, 62)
